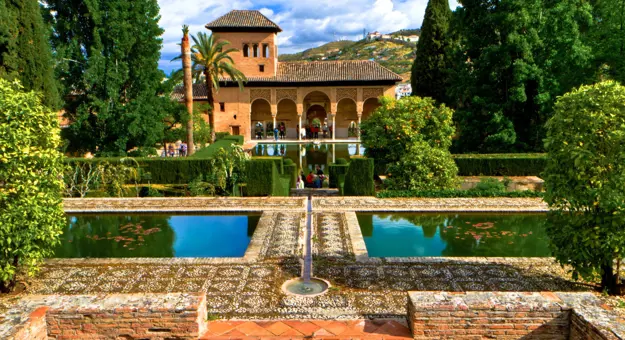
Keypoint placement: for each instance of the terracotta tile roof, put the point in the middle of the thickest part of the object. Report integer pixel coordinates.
(314, 72)
(243, 19)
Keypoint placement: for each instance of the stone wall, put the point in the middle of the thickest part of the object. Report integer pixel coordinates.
(118, 316)
(505, 315)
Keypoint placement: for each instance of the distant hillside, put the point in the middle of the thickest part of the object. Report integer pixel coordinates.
(395, 55)
(416, 31)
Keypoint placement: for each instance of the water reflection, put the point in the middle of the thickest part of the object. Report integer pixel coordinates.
(308, 156)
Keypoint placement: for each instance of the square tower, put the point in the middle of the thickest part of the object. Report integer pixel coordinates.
(254, 38)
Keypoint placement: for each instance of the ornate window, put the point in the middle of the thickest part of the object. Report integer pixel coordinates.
(246, 50)
(255, 51)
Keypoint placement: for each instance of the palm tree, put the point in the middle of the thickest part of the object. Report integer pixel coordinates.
(210, 62)
(188, 86)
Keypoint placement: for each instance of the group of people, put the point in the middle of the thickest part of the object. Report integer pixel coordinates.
(171, 151)
(313, 180)
(279, 132)
(312, 131)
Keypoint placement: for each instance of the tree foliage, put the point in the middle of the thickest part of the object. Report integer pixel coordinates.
(607, 39)
(31, 214)
(585, 180)
(24, 49)
(430, 68)
(412, 137)
(108, 53)
(513, 58)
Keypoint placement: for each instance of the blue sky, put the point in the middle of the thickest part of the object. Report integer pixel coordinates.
(305, 23)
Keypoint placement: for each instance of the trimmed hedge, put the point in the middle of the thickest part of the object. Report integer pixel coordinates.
(359, 178)
(209, 151)
(500, 164)
(290, 169)
(179, 170)
(334, 171)
(276, 159)
(455, 193)
(236, 138)
(264, 179)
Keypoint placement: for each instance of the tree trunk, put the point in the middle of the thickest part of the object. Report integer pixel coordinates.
(608, 279)
(211, 102)
(188, 90)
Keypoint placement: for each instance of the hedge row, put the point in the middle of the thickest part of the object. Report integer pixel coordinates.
(264, 179)
(211, 150)
(455, 193)
(359, 178)
(179, 170)
(334, 171)
(500, 164)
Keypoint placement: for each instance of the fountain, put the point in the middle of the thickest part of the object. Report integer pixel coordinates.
(307, 285)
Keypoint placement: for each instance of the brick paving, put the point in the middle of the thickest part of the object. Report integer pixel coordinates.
(378, 329)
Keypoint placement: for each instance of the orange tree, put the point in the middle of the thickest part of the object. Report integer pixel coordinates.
(585, 181)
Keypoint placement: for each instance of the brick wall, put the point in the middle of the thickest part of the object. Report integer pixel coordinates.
(499, 315)
(118, 316)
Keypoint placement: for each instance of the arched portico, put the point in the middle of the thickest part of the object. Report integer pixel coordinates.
(287, 115)
(261, 119)
(346, 115)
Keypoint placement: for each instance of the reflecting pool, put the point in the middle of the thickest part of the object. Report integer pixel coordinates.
(110, 236)
(308, 156)
(451, 234)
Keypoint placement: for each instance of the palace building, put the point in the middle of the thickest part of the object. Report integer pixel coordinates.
(339, 94)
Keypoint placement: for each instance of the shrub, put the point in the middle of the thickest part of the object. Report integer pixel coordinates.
(334, 171)
(31, 211)
(585, 181)
(341, 161)
(211, 150)
(261, 174)
(239, 140)
(489, 184)
(291, 171)
(359, 178)
(449, 193)
(426, 169)
(200, 187)
(279, 161)
(500, 164)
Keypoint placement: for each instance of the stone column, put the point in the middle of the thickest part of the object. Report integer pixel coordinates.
(299, 118)
(333, 115)
(358, 126)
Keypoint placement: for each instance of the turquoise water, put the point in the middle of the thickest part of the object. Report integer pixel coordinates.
(466, 235)
(308, 156)
(106, 236)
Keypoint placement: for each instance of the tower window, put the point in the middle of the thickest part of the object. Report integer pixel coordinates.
(222, 107)
(255, 51)
(246, 50)
(265, 51)
(261, 68)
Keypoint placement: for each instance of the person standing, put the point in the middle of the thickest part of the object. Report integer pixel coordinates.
(183, 149)
(282, 130)
(275, 133)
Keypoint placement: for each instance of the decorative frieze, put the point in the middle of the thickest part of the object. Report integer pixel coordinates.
(371, 93)
(342, 93)
(260, 94)
(286, 94)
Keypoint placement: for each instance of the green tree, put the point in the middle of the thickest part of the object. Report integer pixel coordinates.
(429, 70)
(108, 54)
(31, 212)
(211, 60)
(409, 139)
(513, 58)
(585, 180)
(607, 38)
(24, 49)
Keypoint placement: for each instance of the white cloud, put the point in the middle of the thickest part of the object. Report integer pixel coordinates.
(305, 23)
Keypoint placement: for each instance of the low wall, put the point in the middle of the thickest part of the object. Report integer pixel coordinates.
(506, 315)
(118, 316)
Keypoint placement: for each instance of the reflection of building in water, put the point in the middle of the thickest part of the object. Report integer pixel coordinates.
(295, 94)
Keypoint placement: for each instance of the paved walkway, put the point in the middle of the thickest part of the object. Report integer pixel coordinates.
(381, 329)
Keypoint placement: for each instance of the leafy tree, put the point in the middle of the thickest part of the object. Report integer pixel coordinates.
(24, 50)
(585, 180)
(210, 62)
(429, 71)
(513, 58)
(397, 125)
(412, 137)
(108, 54)
(31, 214)
(607, 38)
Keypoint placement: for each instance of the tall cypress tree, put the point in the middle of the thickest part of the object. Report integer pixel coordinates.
(24, 49)
(429, 71)
(110, 51)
